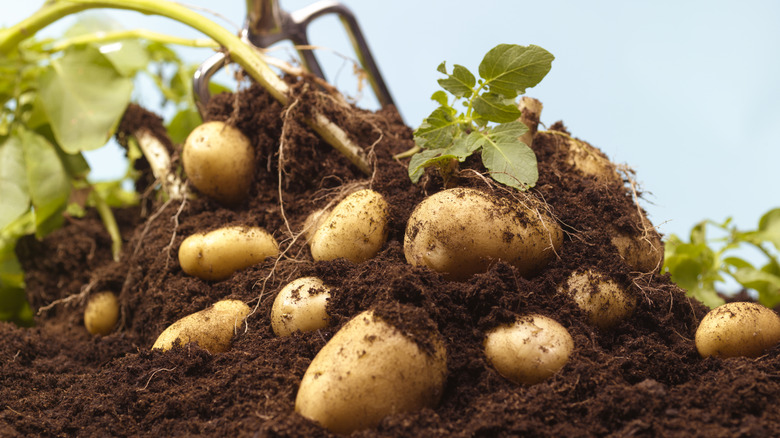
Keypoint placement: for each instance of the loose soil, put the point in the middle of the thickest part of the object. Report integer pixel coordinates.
(643, 378)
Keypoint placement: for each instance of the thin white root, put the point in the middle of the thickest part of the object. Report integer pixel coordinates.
(152, 375)
(78, 298)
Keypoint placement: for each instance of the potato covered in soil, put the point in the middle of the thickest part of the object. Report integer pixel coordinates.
(641, 252)
(211, 328)
(460, 232)
(101, 313)
(216, 255)
(369, 370)
(355, 229)
(738, 329)
(604, 301)
(530, 350)
(586, 159)
(300, 306)
(219, 161)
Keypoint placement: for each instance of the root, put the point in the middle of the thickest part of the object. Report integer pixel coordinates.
(175, 219)
(152, 376)
(282, 141)
(78, 298)
(646, 226)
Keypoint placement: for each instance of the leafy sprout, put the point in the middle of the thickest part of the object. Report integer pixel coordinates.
(489, 123)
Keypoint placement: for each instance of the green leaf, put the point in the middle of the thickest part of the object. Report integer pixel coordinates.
(460, 83)
(737, 263)
(509, 69)
(767, 284)
(128, 56)
(182, 124)
(420, 161)
(47, 179)
(84, 98)
(769, 227)
(438, 130)
(496, 108)
(15, 199)
(440, 97)
(510, 161)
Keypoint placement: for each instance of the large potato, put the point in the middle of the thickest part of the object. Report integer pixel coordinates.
(460, 232)
(738, 329)
(101, 313)
(219, 161)
(355, 229)
(530, 350)
(216, 255)
(604, 301)
(211, 328)
(300, 306)
(369, 370)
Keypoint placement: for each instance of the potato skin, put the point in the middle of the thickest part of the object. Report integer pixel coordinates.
(219, 161)
(300, 306)
(101, 313)
(605, 302)
(369, 370)
(460, 232)
(530, 350)
(738, 329)
(355, 229)
(216, 255)
(211, 328)
(641, 253)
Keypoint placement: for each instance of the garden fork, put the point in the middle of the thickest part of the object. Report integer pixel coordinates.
(267, 24)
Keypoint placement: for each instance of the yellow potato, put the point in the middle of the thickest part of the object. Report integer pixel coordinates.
(460, 232)
(219, 161)
(101, 313)
(605, 302)
(355, 229)
(530, 350)
(300, 306)
(641, 253)
(586, 159)
(216, 255)
(369, 370)
(738, 329)
(211, 328)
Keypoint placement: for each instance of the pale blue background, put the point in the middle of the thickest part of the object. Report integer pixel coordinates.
(687, 93)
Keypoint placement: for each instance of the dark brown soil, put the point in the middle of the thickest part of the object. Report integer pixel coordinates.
(643, 378)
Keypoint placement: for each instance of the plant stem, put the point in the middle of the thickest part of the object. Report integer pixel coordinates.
(241, 53)
(142, 34)
(109, 221)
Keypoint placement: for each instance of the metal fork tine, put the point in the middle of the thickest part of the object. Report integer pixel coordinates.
(267, 24)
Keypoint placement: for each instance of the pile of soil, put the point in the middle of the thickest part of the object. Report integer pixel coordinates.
(644, 377)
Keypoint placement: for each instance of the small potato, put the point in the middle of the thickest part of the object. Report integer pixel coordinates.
(300, 306)
(641, 253)
(738, 329)
(219, 161)
(355, 229)
(529, 351)
(586, 159)
(605, 302)
(216, 255)
(211, 328)
(460, 232)
(101, 313)
(369, 370)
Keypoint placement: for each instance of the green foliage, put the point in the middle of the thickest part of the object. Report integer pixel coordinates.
(696, 265)
(57, 100)
(489, 124)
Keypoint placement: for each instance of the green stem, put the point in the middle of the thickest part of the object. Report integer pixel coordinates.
(240, 52)
(109, 221)
(142, 34)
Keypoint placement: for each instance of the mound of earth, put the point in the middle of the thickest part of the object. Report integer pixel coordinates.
(643, 377)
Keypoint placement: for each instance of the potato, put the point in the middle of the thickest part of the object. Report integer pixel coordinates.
(216, 255)
(641, 253)
(300, 306)
(530, 350)
(738, 329)
(460, 232)
(369, 370)
(584, 158)
(101, 313)
(219, 161)
(605, 302)
(355, 229)
(211, 328)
